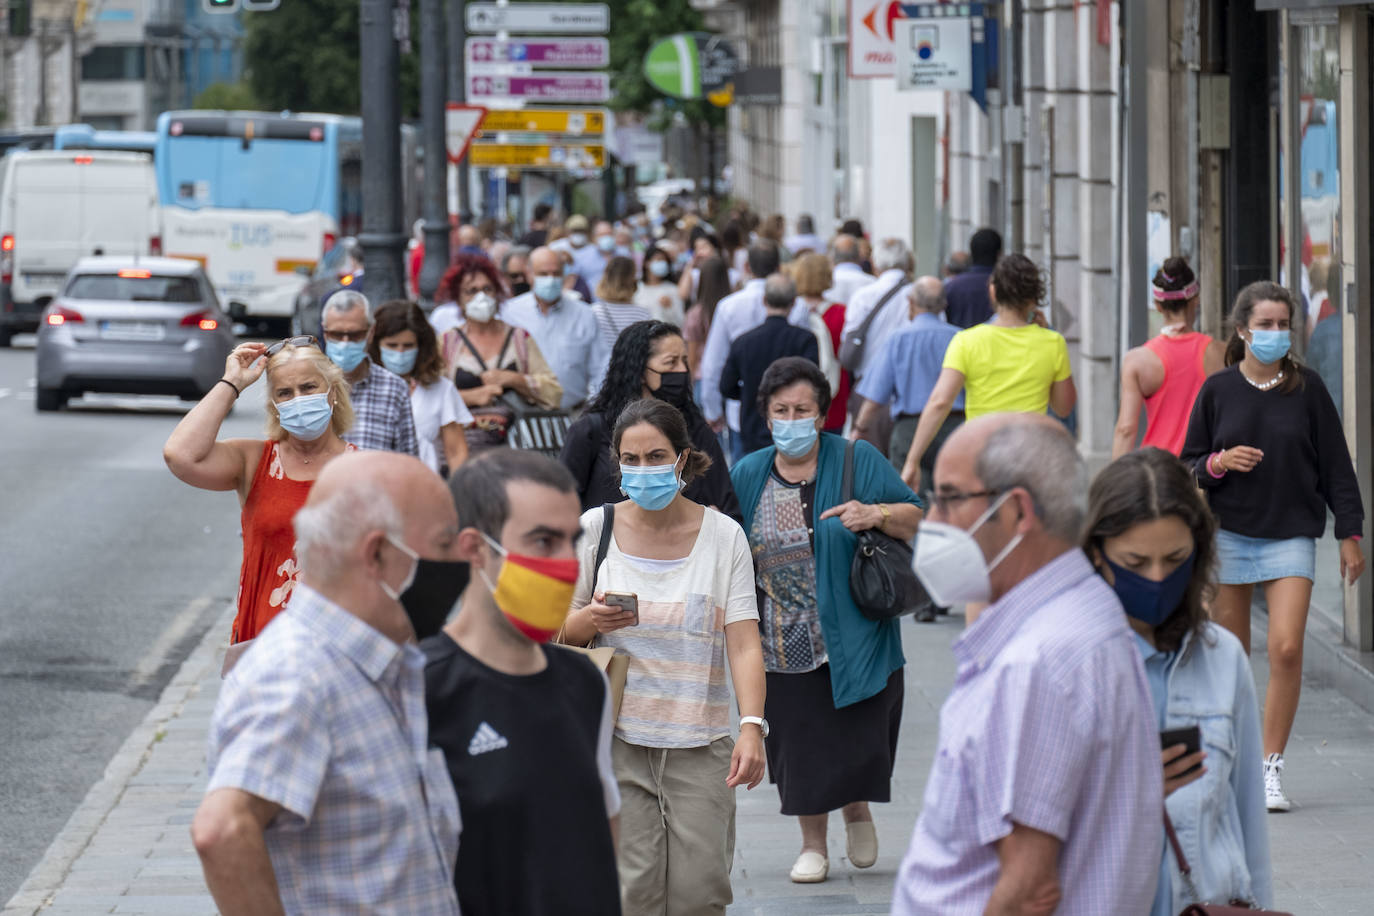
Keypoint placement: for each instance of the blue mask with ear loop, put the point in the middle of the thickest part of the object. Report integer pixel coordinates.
(1149, 601)
(651, 488)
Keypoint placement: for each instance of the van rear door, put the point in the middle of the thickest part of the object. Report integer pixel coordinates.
(47, 216)
(118, 205)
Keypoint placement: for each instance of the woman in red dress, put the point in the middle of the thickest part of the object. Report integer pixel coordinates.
(308, 409)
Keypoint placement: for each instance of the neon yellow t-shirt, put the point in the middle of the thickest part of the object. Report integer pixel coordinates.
(1008, 370)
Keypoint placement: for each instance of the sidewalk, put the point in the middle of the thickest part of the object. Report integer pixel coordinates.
(127, 849)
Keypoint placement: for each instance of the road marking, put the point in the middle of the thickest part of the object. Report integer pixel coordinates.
(153, 660)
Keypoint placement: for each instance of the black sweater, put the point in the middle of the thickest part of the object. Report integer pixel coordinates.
(1306, 465)
(587, 454)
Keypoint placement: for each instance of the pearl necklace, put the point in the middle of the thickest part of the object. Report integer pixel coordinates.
(1264, 386)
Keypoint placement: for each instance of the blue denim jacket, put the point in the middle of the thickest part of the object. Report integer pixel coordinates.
(1221, 818)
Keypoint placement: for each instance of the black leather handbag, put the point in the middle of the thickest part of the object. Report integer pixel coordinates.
(882, 581)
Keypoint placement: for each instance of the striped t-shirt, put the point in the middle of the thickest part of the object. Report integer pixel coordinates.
(612, 318)
(675, 693)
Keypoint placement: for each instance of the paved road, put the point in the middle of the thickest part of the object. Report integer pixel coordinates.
(110, 572)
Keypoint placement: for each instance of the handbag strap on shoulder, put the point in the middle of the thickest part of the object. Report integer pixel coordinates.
(603, 545)
(847, 486)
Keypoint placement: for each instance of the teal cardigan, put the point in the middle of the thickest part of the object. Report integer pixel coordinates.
(863, 653)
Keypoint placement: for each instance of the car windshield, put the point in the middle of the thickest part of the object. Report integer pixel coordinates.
(134, 289)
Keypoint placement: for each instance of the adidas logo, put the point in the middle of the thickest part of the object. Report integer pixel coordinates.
(485, 740)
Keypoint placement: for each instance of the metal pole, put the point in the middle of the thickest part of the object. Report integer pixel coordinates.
(383, 237)
(458, 89)
(433, 76)
(1135, 25)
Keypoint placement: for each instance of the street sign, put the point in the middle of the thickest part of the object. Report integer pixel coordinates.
(547, 121)
(461, 123)
(540, 52)
(935, 54)
(689, 65)
(551, 86)
(540, 156)
(558, 18)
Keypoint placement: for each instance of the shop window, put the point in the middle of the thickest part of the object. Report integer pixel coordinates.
(113, 62)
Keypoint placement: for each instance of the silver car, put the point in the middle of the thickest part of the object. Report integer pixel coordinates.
(133, 326)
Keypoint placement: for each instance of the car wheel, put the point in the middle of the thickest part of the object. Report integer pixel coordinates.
(50, 399)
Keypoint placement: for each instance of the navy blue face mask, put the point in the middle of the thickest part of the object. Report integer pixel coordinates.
(1149, 601)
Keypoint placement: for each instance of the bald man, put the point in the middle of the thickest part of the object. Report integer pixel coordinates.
(901, 379)
(1046, 791)
(323, 795)
(563, 326)
(849, 276)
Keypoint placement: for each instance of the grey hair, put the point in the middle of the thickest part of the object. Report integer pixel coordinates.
(844, 249)
(326, 530)
(516, 251)
(779, 291)
(1044, 461)
(928, 293)
(892, 254)
(345, 301)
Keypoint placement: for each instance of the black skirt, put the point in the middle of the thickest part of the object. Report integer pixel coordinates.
(823, 758)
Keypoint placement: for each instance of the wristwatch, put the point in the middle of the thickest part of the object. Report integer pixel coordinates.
(760, 721)
(887, 516)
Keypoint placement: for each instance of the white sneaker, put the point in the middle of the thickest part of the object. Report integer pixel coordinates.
(1274, 799)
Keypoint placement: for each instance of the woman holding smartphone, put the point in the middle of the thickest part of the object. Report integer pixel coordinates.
(1153, 539)
(675, 590)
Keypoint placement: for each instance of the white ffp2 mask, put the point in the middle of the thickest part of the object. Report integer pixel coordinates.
(951, 565)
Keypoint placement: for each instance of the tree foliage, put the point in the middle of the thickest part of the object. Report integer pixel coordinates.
(635, 26)
(227, 97)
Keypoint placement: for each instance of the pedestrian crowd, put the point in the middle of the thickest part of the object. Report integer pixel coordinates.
(535, 577)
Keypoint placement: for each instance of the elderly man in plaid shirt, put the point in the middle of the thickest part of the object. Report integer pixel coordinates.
(1046, 794)
(324, 794)
(381, 399)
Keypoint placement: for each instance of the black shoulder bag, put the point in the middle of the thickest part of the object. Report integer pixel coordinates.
(882, 581)
(855, 344)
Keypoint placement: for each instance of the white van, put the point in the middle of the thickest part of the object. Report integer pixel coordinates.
(58, 206)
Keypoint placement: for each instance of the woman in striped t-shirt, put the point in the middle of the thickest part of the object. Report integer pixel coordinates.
(692, 576)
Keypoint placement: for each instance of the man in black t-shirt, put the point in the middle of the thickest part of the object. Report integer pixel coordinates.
(524, 726)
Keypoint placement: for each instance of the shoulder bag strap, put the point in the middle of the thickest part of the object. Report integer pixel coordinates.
(847, 487)
(1185, 871)
(471, 349)
(603, 546)
(862, 332)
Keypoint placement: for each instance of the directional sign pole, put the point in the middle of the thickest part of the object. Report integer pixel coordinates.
(458, 88)
(383, 238)
(434, 114)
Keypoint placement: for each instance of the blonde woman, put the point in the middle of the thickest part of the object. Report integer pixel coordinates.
(308, 411)
(615, 308)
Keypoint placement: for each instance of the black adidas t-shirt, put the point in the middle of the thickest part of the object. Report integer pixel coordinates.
(522, 751)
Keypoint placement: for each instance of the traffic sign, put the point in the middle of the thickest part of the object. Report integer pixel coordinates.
(540, 156)
(540, 52)
(461, 123)
(547, 120)
(689, 65)
(550, 86)
(558, 18)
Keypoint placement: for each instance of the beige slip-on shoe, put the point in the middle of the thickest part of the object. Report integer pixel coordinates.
(861, 844)
(810, 868)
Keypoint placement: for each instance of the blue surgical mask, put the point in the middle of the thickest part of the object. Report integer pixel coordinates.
(659, 268)
(651, 488)
(606, 244)
(1149, 601)
(346, 354)
(306, 417)
(795, 438)
(548, 289)
(1270, 346)
(401, 362)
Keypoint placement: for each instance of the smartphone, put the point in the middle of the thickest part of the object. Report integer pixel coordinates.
(1190, 737)
(626, 601)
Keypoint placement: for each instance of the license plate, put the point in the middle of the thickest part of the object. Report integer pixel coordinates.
(132, 330)
(46, 279)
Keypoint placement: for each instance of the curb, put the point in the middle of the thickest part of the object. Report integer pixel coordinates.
(46, 878)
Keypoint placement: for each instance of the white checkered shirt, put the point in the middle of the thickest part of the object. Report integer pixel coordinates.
(325, 716)
(382, 421)
(1049, 725)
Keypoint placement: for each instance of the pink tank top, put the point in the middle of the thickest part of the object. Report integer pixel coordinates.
(1168, 409)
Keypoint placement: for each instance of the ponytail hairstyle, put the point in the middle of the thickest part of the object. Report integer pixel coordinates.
(1246, 300)
(1017, 283)
(1174, 285)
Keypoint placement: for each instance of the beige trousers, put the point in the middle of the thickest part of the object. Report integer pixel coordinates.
(677, 828)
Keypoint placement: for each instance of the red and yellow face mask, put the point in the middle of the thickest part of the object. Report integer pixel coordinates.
(534, 593)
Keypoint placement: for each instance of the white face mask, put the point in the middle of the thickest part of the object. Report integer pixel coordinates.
(951, 565)
(480, 308)
(396, 593)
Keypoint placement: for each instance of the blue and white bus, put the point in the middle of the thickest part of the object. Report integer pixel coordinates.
(84, 136)
(258, 198)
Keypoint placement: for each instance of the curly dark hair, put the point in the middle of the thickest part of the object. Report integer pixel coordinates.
(399, 315)
(1143, 486)
(463, 265)
(668, 420)
(625, 376)
(1246, 300)
(1018, 283)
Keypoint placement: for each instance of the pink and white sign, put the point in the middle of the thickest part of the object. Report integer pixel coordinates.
(573, 88)
(872, 37)
(540, 52)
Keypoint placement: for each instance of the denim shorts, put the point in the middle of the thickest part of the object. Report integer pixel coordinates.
(1244, 560)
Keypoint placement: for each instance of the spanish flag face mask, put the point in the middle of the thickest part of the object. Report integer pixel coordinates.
(533, 592)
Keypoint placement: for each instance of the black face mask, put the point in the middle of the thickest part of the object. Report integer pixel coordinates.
(433, 593)
(519, 289)
(674, 388)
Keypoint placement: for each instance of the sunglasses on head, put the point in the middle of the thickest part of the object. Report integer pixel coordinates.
(304, 340)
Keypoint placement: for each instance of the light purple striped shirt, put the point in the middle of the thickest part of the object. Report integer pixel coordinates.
(325, 716)
(1049, 725)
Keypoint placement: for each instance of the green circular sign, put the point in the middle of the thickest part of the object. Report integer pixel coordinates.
(689, 65)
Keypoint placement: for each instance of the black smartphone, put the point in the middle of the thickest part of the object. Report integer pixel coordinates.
(1190, 737)
(626, 601)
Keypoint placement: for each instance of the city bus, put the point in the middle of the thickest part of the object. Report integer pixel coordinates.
(84, 136)
(259, 198)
